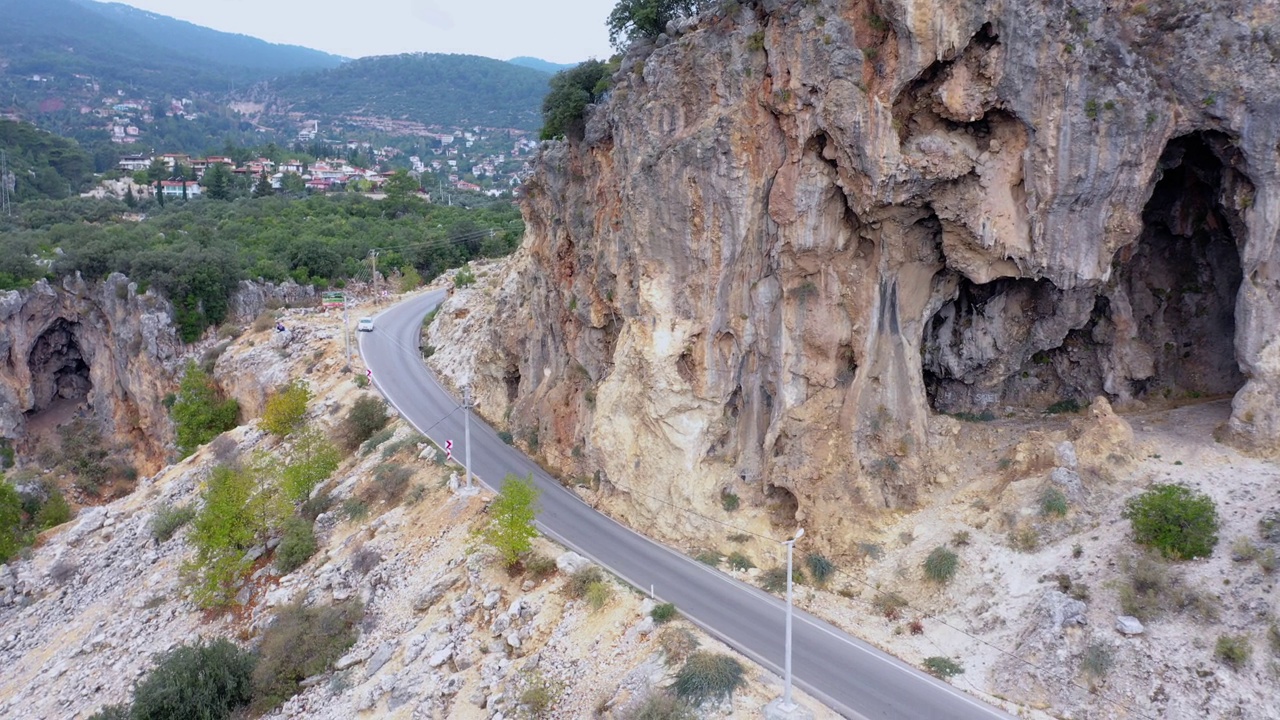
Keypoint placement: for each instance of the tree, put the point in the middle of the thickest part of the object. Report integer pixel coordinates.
(285, 409)
(158, 170)
(200, 412)
(10, 520)
(292, 183)
(160, 193)
(1176, 520)
(632, 20)
(217, 181)
(400, 188)
(510, 529)
(263, 188)
(129, 198)
(564, 107)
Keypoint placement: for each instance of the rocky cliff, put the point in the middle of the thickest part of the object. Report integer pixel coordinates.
(99, 348)
(797, 233)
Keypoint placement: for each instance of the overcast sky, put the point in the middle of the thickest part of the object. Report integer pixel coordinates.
(562, 31)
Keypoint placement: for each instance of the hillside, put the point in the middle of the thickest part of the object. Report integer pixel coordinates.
(540, 64)
(43, 165)
(432, 89)
(213, 46)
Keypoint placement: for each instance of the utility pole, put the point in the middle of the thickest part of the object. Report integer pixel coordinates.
(346, 333)
(5, 206)
(469, 489)
(786, 705)
(373, 256)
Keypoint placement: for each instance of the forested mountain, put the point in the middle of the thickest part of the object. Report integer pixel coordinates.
(540, 64)
(43, 165)
(213, 46)
(433, 89)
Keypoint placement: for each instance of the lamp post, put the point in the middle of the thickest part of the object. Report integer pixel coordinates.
(787, 704)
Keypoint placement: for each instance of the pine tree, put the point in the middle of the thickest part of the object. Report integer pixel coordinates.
(129, 199)
(263, 188)
(217, 182)
(160, 193)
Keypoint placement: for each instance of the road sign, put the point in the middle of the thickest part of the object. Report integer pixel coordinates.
(368, 374)
(333, 299)
(448, 450)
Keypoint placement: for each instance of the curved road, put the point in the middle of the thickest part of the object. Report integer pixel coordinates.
(851, 677)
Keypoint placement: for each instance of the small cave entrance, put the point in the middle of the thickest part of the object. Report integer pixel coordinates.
(781, 505)
(511, 379)
(1162, 327)
(59, 372)
(1182, 277)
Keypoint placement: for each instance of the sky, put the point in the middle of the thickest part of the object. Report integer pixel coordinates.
(561, 31)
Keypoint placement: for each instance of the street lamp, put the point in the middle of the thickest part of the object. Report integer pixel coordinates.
(787, 704)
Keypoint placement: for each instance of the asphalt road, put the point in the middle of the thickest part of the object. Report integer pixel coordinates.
(851, 677)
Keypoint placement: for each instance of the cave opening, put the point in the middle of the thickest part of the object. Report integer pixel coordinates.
(59, 371)
(1162, 327)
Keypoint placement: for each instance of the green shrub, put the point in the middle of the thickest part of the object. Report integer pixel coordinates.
(312, 460)
(377, 439)
(656, 705)
(286, 409)
(1268, 561)
(707, 675)
(665, 612)
(1142, 596)
(235, 515)
(740, 562)
(1053, 502)
(299, 643)
(709, 557)
(313, 507)
(943, 667)
(297, 545)
(941, 564)
(464, 277)
(1070, 405)
(201, 682)
(12, 536)
(1098, 660)
(112, 712)
(200, 411)
(582, 580)
(1233, 650)
(820, 568)
(774, 580)
(1243, 550)
(367, 416)
(1176, 520)
(355, 509)
(53, 512)
(390, 481)
(168, 519)
(729, 501)
(538, 565)
(361, 381)
(506, 437)
(539, 694)
(599, 594)
(677, 643)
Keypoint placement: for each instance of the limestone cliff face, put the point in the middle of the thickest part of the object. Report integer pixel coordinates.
(99, 346)
(796, 233)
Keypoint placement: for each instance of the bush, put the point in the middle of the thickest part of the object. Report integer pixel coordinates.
(1098, 659)
(1176, 520)
(729, 501)
(582, 580)
(464, 277)
(377, 439)
(709, 557)
(297, 545)
(364, 560)
(367, 416)
(1243, 549)
(890, 605)
(1268, 561)
(390, 481)
(1053, 502)
(11, 533)
(1233, 650)
(820, 568)
(313, 507)
(659, 706)
(112, 712)
(53, 512)
(299, 643)
(942, 667)
(1143, 595)
(506, 437)
(1070, 405)
(200, 412)
(677, 643)
(355, 509)
(740, 562)
(666, 612)
(286, 409)
(201, 681)
(538, 565)
(361, 381)
(940, 566)
(599, 594)
(774, 580)
(539, 694)
(707, 675)
(168, 519)
(235, 513)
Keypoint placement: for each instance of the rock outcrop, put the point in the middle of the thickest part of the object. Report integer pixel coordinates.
(796, 232)
(96, 347)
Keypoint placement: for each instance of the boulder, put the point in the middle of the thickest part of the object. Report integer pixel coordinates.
(1129, 625)
(571, 562)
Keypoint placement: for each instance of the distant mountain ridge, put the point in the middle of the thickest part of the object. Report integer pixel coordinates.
(433, 89)
(214, 46)
(540, 64)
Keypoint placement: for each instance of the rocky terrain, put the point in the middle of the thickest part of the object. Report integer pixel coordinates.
(446, 632)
